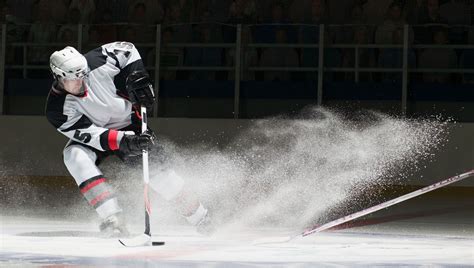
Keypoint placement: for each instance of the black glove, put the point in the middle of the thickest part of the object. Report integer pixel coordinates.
(133, 145)
(140, 89)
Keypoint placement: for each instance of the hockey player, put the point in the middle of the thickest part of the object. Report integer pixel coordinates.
(93, 101)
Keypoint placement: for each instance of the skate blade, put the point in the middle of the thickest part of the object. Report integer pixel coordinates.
(142, 240)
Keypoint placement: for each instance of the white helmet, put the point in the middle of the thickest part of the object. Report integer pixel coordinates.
(68, 63)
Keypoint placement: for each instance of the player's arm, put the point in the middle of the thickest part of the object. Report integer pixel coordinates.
(79, 128)
(133, 76)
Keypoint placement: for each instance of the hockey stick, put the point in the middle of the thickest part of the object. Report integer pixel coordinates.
(320, 228)
(145, 238)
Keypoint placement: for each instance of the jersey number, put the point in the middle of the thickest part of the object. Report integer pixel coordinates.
(84, 137)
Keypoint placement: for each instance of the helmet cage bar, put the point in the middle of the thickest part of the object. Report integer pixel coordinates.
(71, 75)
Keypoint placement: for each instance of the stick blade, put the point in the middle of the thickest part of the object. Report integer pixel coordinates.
(137, 241)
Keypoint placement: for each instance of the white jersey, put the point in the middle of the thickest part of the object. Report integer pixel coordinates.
(94, 118)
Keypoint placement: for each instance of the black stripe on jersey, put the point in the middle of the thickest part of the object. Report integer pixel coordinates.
(104, 140)
(113, 56)
(95, 58)
(119, 79)
(83, 122)
(55, 108)
(89, 181)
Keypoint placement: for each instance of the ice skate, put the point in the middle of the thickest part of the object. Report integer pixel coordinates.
(205, 226)
(113, 226)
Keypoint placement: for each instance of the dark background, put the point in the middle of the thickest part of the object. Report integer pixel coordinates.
(199, 81)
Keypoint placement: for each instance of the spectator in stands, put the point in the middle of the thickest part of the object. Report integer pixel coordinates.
(300, 10)
(154, 12)
(250, 11)
(393, 57)
(182, 11)
(279, 57)
(456, 12)
(366, 56)
(59, 10)
(243, 11)
(119, 11)
(68, 37)
(173, 15)
(68, 33)
(265, 9)
(318, 14)
(236, 12)
(357, 15)
(199, 10)
(266, 33)
(376, 10)
(138, 14)
(310, 33)
(413, 10)
(216, 29)
(208, 56)
(249, 57)
(219, 9)
(104, 24)
(338, 10)
(345, 34)
(42, 31)
(438, 58)
(138, 21)
(22, 9)
(467, 59)
(278, 15)
(93, 37)
(429, 14)
(87, 8)
(15, 33)
(393, 20)
(128, 33)
(15, 30)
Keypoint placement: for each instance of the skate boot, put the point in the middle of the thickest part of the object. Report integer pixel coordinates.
(205, 225)
(113, 226)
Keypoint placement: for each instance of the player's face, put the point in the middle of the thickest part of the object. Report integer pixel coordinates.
(73, 86)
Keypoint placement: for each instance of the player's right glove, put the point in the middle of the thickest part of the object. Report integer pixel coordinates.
(139, 89)
(133, 145)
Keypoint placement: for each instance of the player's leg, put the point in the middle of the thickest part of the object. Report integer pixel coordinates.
(80, 161)
(171, 186)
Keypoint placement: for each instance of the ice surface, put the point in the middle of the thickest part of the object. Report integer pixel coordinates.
(446, 240)
(272, 181)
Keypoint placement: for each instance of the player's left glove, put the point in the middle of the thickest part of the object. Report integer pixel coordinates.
(140, 89)
(133, 145)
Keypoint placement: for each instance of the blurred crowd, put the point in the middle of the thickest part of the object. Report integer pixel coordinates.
(265, 21)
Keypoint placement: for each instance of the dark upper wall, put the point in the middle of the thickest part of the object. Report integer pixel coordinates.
(30, 146)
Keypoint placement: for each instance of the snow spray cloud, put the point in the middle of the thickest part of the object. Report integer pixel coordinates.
(289, 172)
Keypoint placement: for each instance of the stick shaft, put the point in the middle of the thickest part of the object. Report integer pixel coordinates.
(146, 174)
(389, 203)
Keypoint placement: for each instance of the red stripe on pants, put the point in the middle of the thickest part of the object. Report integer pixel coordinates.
(92, 185)
(99, 198)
